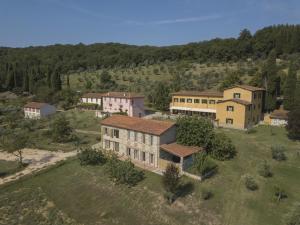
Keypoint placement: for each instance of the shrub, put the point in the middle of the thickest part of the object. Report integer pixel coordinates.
(206, 194)
(171, 181)
(123, 172)
(203, 164)
(251, 131)
(250, 183)
(60, 129)
(91, 156)
(279, 193)
(278, 153)
(222, 147)
(264, 169)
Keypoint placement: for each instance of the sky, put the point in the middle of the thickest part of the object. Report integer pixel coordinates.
(139, 22)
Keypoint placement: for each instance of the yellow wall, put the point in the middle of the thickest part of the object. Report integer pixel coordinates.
(245, 94)
(195, 105)
(239, 115)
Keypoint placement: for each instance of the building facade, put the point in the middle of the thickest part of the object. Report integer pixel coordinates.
(147, 142)
(126, 102)
(37, 110)
(92, 98)
(237, 107)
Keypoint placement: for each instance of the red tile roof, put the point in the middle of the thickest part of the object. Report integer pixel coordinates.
(180, 150)
(154, 127)
(92, 95)
(279, 114)
(200, 93)
(35, 105)
(236, 100)
(247, 87)
(123, 95)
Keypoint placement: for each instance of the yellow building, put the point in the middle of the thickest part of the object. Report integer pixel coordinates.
(237, 107)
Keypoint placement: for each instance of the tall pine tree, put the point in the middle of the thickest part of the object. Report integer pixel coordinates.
(290, 87)
(55, 81)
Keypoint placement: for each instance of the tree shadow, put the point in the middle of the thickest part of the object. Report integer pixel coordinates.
(185, 189)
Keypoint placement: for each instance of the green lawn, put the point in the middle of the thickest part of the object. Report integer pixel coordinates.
(71, 194)
(8, 167)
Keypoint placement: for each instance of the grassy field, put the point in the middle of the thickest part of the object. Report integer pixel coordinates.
(8, 168)
(71, 194)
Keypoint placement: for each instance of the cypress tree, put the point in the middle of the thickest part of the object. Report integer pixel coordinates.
(26, 82)
(9, 84)
(290, 87)
(270, 81)
(55, 81)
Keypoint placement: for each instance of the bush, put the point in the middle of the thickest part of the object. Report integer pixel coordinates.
(278, 153)
(203, 164)
(91, 156)
(206, 194)
(250, 183)
(171, 182)
(264, 169)
(251, 131)
(279, 193)
(60, 129)
(123, 172)
(222, 147)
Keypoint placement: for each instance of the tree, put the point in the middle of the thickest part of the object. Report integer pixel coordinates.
(293, 126)
(161, 96)
(270, 81)
(55, 81)
(171, 181)
(203, 164)
(89, 156)
(230, 80)
(60, 129)
(14, 142)
(222, 147)
(195, 131)
(290, 87)
(264, 169)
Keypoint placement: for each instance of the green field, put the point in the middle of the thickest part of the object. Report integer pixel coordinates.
(71, 194)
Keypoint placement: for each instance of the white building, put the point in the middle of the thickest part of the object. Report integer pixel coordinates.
(93, 98)
(37, 110)
(279, 117)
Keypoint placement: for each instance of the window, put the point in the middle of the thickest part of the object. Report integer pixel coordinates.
(116, 133)
(151, 140)
(128, 151)
(189, 100)
(143, 156)
(175, 99)
(259, 95)
(212, 102)
(249, 107)
(144, 138)
(116, 146)
(254, 107)
(197, 101)
(258, 106)
(135, 136)
(254, 95)
(182, 100)
(230, 108)
(229, 121)
(135, 154)
(236, 95)
(253, 119)
(107, 144)
(151, 159)
(204, 101)
(111, 133)
(105, 131)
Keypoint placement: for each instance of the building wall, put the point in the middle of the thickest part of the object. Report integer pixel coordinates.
(239, 115)
(91, 100)
(33, 113)
(47, 110)
(127, 140)
(194, 105)
(278, 122)
(133, 106)
(245, 94)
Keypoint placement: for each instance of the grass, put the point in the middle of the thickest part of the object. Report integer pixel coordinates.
(71, 194)
(8, 168)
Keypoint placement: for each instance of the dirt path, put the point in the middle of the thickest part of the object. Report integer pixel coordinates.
(37, 159)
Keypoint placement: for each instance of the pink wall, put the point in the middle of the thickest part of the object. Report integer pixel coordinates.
(133, 106)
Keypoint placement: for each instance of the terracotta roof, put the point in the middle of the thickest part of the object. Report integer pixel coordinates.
(155, 127)
(123, 95)
(36, 105)
(247, 87)
(180, 150)
(92, 95)
(200, 93)
(236, 100)
(279, 114)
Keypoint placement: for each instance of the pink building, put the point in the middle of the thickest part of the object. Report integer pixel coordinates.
(131, 103)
